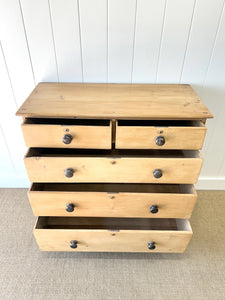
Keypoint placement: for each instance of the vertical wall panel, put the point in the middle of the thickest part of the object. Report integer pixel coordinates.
(40, 39)
(214, 95)
(200, 47)
(65, 21)
(121, 26)
(149, 25)
(176, 28)
(93, 24)
(201, 41)
(9, 122)
(14, 43)
(166, 41)
(6, 165)
(222, 170)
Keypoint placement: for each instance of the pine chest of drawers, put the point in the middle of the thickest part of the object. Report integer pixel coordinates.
(112, 166)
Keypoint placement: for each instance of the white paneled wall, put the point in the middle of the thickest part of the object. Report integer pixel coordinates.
(130, 41)
(66, 36)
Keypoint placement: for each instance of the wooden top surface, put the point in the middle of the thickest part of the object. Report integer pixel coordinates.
(114, 101)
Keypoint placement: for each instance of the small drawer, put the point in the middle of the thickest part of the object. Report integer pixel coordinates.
(112, 200)
(144, 134)
(119, 166)
(67, 133)
(112, 234)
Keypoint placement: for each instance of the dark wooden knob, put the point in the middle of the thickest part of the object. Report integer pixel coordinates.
(160, 140)
(151, 245)
(154, 209)
(73, 244)
(157, 173)
(70, 207)
(67, 138)
(69, 172)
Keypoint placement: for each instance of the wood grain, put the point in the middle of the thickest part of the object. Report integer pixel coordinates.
(131, 240)
(106, 223)
(143, 137)
(39, 135)
(113, 169)
(113, 204)
(74, 100)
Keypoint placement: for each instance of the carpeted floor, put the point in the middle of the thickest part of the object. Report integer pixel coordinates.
(26, 273)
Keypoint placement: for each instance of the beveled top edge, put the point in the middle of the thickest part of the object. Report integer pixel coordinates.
(114, 101)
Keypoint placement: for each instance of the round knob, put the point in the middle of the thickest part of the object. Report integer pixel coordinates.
(154, 209)
(67, 138)
(157, 173)
(151, 245)
(70, 207)
(73, 244)
(69, 172)
(160, 140)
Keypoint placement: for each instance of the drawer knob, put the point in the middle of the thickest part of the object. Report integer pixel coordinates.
(157, 173)
(151, 245)
(73, 244)
(154, 209)
(70, 207)
(160, 140)
(69, 172)
(67, 138)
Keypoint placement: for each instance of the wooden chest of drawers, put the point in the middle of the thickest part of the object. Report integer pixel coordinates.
(112, 166)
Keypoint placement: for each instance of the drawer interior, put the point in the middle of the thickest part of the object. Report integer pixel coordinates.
(112, 223)
(72, 122)
(113, 153)
(114, 188)
(158, 123)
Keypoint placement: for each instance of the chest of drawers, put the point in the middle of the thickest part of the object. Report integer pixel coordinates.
(112, 166)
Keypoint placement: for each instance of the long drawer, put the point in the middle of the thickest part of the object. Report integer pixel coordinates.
(144, 134)
(122, 166)
(112, 200)
(67, 133)
(112, 234)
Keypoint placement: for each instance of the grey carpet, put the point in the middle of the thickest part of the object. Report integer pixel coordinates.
(27, 273)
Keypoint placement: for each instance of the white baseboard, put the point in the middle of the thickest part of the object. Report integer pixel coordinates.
(204, 183)
(14, 182)
(210, 183)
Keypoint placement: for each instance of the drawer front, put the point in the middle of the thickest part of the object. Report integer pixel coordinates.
(101, 169)
(152, 137)
(67, 136)
(109, 240)
(121, 204)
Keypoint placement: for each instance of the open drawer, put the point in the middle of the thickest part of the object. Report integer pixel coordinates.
(112, 200)
(112, 234)
(121, 166)
(67, 133)
(146, 134)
